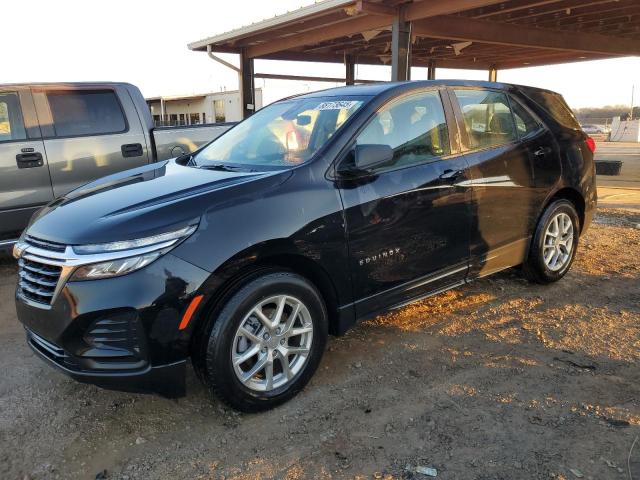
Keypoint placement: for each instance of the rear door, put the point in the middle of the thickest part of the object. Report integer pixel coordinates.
(543, 151)
(407, 222)
(89, 132)
(504, 195)
(24, 177)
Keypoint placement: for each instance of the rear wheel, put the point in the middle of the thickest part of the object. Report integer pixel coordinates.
(267, 342)
(554, 243)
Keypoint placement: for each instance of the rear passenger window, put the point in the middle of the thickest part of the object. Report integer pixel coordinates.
(556, 106)
(414, 127)
(487, 117)
(85, 112)
(525, 124)
(11, 123)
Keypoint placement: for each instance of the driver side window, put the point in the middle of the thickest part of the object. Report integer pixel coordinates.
(414, 127)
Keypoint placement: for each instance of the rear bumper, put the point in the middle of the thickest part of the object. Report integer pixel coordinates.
(166, 380)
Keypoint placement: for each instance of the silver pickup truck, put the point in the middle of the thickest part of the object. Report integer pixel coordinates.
(56, 137)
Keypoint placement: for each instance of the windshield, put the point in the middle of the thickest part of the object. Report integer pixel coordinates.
(281, 135)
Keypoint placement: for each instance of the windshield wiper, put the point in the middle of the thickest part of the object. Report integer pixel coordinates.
(221, 166)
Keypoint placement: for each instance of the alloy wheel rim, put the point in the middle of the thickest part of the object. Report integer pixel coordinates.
(558, 242)
(272, 343)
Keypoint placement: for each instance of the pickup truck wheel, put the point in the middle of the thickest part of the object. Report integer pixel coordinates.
(554, 243)
(266, 342)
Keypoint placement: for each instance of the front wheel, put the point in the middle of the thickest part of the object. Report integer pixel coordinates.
(266, 342)
(554, 243)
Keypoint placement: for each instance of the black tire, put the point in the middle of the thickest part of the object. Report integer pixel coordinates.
(217, 367)
(534, 268)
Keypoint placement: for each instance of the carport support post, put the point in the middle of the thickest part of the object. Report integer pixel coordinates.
(400, 48)
(493, 74)
(247, 90)
(162, 111)
(350, 70)
(431, 70)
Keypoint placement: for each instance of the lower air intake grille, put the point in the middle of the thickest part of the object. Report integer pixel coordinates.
(120, 333)
(51, 351)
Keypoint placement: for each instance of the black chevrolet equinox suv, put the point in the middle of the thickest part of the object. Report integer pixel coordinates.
(315, 212)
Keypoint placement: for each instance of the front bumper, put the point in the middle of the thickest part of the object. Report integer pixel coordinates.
(166, 380)
(119, 333)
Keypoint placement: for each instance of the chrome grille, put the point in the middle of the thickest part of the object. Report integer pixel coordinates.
(44, 244)
(38, 281)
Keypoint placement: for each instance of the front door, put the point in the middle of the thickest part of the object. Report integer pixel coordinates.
(407, 221)
(24, 175)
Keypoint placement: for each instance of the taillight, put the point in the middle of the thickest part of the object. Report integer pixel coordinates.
(591, 144)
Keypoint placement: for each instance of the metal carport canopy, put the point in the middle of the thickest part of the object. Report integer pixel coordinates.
(467, 34)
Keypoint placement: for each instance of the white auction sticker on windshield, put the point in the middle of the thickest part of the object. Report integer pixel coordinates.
(337, 105)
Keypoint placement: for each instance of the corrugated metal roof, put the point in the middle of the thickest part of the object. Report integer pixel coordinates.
(277, 20)
(478, 34)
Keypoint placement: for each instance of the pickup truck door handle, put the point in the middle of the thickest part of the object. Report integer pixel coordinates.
(131, 150)
(29, 160)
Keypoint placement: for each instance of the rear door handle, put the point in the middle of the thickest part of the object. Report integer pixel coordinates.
(542, 151)
(131, 150)
(29, 160)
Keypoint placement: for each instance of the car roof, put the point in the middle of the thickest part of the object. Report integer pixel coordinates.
(373, 89)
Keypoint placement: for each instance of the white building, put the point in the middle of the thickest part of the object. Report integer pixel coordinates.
(214, 107)
(625, 130)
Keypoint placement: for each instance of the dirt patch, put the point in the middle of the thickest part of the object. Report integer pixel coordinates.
(499, 379)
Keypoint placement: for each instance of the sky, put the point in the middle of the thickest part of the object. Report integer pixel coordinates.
(144, 42)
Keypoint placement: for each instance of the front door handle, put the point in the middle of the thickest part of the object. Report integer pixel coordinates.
(450, 175)
(131, 150)
(29, 160)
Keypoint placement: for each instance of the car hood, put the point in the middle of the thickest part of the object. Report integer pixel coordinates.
(141, 202)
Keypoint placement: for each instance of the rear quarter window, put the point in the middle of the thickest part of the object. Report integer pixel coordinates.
(555, 105)
(86, 112)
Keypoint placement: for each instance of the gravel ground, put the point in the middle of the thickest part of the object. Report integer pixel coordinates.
(499, 379)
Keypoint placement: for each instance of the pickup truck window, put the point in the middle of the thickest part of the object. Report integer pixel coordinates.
(86, 112)
(283, 134)
(11, 123)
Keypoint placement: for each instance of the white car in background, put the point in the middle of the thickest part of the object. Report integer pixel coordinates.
(592, 129)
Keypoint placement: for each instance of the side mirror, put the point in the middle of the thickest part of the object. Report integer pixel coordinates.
(372, 156)
(303, 120)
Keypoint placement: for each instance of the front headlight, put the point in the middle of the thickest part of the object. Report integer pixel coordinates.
(114, 268)
(164, 239)
(122, 257)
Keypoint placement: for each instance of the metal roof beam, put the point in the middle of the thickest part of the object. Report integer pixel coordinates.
(362, 6)
(465, 29)
(416, 61)
(306, 78)
(427, 9)
(350, 27)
